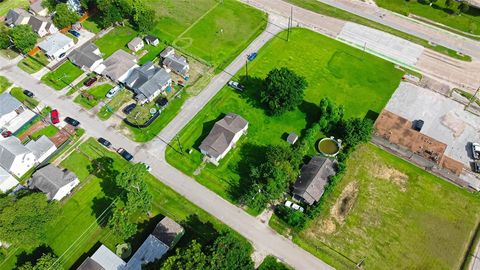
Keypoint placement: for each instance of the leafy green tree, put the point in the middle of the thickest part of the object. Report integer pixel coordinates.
(4, 39)
(189, 258)
(355, 131)
(230, 252)
(271, 263)
(463, 7)
(23, 37)
(48, 261)
(291, 216)
(283, 91)
(120, 222)
(24, 220)
(132, 181)
(64, 16)
(108, 12)
(330, 115)
(143, 18)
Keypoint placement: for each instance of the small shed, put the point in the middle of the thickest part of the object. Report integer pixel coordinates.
(152, 40)
(136, 44)
(292, 138)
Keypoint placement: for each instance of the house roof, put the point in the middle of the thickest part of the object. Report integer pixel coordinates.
(9, 104)
(16, 15)
(50, 179)
(474, 3)
(147, 79)
(135, 42)
(119, 63)
(10, 148)
(90, 264)
(167, 230)
(292, 138)
(85, 56)
(7, 181)
(54, 43)
(37, 6)
(313, 178)
(178, 64)
(151, 250)
(168, 51)
(222, 134)
(107, 259)
(41, 146)
(150, 38)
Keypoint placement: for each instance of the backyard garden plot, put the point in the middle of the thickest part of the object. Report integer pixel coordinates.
(62, 76)
(394, 215)
(361, 82)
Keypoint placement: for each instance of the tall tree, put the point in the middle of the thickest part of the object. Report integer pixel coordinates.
(120, 222)
(24, 220)
(355, 131)
(330, 115)
(189, 258)
(48, 261)
(4, 39)
(283, 91)
(64, 16)
(23, 37)
(230, 252)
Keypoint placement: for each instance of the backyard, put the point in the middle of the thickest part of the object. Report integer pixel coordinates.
(392, 214)
(344, 74)
(80, 228)
(114, 104)
(93, 95)
(116, 39)
(63, 76)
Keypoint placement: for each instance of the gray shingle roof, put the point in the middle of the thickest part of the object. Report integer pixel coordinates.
(119, 63)
(9, 149)
(147, 79)
(85, 56)
(50, 179)
(167, 230)
(178, 64)
(9, 104)
(313, 179)
(90, 264)
(150, 39)
(222, 133)
(37, 6)
(16, 15)
(41, 146)
(54, 43)
(135, 42)
(168, 51)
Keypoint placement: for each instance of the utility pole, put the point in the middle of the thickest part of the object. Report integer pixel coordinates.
(246, 69)
(472, 99)
(179, 144)
(290, 20)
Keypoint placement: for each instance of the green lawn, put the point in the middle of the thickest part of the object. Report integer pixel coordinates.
(98, 92)
(62, 76)
(17, 92)
(6, 5)
(361, 82)
(91, 25)
(116, 39)
(48, 131)
(32, 64)
(114, 104)
(467, 22)
(394, 215)
(4, 84)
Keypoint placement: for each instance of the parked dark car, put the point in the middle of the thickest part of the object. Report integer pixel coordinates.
(162, 101)
(126, 155)
(252, 56)
(28, 93)
(90, 81)
(54, 117)
(129, 108)
(417, 125)
(72, 121)
(476, 166)
(74, 33)
(104, 142)
(62, 55)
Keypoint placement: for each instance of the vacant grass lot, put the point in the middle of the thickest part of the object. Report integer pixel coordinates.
(361, 82)
(32, 64)
(78, 231)
(62, 76)
(394, 215)
(467, 22)
(116, 39)
(98, 92)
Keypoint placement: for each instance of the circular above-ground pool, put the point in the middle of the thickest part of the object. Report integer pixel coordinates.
(329, 147)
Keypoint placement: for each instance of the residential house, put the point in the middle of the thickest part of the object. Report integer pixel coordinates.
(176, 63)
(136, 44)
(53, 181)
(164, 237)
(38, 8)
(223, 136)
(17, 16)
(56, 46)
(313, 178)
(40, 25)
(15, 157)
(152, 40)
(7, 181)
(10, 108)
(118, 66)
(148, 81)
(42, 148)
(87, 57)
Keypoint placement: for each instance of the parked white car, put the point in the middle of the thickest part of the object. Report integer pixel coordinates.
(294, 206)
(476, 150)
(113, 91)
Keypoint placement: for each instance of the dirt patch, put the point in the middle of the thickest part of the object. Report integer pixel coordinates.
(391, 174)
(345, 202)
(328, 226)
(453, 122)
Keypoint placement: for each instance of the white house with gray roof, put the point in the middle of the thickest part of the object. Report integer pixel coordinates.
(42, 148)
(148, 81)
(9, 109)
(53, 181)
(87, 57)
(15, 157)
(7, 181)
(56, 45)
(136, 44)
(174, 62)
(40, 25)
(118, 66)
(17, 16)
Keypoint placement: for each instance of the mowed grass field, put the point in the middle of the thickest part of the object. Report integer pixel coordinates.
(6, 5)
(62, 76)
(394, 215)
(80, 228)
(360, 82)
(467, 22)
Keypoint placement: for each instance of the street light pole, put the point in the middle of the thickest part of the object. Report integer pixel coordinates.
(472, 99)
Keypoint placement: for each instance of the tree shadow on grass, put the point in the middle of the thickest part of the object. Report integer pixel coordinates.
(253, 87)
(204, 233)
(33, 256)
(251, 156)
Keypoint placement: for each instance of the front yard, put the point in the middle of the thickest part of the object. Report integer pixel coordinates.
(93, 95)
(114, 104)
(63, 76)
(361, 82)
(32, 64)
(4, 84)
(30, 102)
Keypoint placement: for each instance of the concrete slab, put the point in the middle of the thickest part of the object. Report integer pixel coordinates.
(388, 45)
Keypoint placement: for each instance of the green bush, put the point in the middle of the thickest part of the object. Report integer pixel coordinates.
(291, 216)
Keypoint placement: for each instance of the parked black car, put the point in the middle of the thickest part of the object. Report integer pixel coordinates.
(129, 108)
(28, 93)
(126, 155)
(104, 142)
(162, 101)
(476, 166)
(72, 121)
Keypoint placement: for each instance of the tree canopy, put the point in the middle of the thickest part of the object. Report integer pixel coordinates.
(270, 263)
(189, 258)
(64, 16)
(23, 37)
(138, 13)
(48, 261)
(24, 219)
(283, 91)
